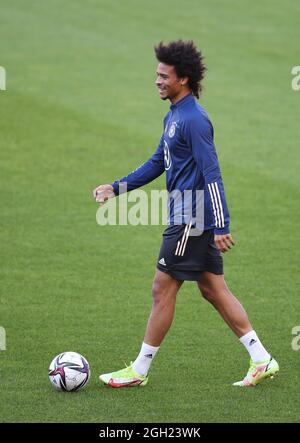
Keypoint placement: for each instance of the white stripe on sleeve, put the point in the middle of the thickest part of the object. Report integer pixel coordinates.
(215, 207)
(220, 205)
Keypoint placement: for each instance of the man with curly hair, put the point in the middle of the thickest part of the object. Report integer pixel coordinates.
(192, 246)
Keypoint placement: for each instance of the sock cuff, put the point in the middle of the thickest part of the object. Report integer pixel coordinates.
(249, 335)
(152, 348)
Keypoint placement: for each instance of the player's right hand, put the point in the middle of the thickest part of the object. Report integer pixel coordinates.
(102, 193)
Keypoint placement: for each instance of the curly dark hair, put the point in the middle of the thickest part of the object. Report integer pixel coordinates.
(186, 59)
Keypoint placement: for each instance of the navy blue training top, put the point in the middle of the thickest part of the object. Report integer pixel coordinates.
(187, 154)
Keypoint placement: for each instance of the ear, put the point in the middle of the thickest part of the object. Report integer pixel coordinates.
(184, 81)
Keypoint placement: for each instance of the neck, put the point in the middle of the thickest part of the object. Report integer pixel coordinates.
(180, 95)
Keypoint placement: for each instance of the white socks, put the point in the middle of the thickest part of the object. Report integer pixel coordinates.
(257, 352)
(254, 347)
(143, 361)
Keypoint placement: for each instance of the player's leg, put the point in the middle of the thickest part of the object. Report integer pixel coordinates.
(214, 289)
(164, 292)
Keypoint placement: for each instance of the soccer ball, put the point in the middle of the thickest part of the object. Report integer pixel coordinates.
(69, 371)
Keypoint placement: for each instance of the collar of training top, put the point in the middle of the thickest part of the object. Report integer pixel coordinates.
(186, 99)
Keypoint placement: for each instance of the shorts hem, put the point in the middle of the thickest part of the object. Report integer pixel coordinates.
(188, 275)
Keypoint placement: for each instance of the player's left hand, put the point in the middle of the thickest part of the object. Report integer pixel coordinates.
(224, 242)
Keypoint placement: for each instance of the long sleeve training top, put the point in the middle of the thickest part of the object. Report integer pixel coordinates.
(186, 152)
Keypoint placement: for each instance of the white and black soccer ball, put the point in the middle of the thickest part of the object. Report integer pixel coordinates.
(69, 371)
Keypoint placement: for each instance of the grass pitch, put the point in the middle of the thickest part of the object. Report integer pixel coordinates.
(81, 109)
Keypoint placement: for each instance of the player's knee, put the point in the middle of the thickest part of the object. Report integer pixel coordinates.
(206, 291)
(161, 293)
(157, 291)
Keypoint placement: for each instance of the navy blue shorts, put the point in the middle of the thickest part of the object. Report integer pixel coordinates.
(185, 256)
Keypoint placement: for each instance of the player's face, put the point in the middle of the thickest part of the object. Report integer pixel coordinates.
(169, 85)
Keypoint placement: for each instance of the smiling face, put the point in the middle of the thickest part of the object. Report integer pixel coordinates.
(169, 85)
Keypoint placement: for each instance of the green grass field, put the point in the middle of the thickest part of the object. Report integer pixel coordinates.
(81, 109)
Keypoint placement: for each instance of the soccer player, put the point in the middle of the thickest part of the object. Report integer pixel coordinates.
(187, 154)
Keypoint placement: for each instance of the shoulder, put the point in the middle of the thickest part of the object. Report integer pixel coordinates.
(195, 118)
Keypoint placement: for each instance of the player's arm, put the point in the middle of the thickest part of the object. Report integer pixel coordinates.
(147, 172)
(199, 133)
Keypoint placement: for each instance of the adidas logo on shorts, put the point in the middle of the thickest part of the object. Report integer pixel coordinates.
(162, 262)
